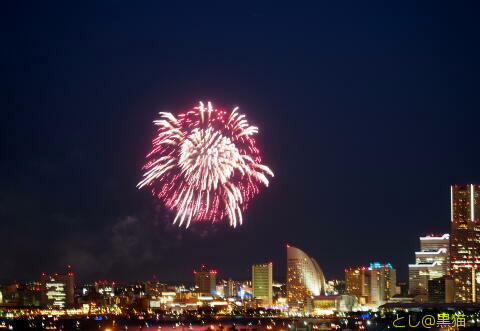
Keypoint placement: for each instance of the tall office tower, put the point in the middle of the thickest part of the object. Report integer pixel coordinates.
(383, 282)
(357, 283)
(206, 280)
(304, 278)
(430, 263)
(262, 282)
(57, 290)
(465, 242)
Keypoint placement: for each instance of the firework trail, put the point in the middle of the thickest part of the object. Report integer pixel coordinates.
(204, 165)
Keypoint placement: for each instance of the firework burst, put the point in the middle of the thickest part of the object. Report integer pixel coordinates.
(205, 165)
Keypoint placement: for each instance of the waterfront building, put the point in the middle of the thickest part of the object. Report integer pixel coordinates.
(430, 262)
(57, 290)
(230, 288)
(326, 304)
(205, 280)
(262, 283)
(357, 283)
(305, 279)
(383, 282)
(465, 241)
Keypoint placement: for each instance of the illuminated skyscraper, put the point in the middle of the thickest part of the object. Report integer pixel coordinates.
(383, 282)
(430, 263)
(262, 282)
(304, 278)
(357, 283)
(230, 288)
(57, 290)
(465, 242)
(205, 280)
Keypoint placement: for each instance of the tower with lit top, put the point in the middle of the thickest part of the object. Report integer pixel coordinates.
(465, 242)
(383, 282)
(357, 283)
(57, 290)
(205, 280)
(262, 283)
(431, 262)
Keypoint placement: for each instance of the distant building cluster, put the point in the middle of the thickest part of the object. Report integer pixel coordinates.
(305, 291)
(373, 285)
(446, 268)
(445, 271)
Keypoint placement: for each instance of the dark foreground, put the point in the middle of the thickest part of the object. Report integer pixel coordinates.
(239, 323)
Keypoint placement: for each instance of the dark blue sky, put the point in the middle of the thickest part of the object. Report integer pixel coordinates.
(367, 113)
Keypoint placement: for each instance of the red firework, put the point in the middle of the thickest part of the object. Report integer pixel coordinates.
(205, 165)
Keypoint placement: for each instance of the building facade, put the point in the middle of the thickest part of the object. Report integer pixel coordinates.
(432, 242)
(262, 283)
(57, 290)
(338, 303)
(205, 280)
(357, 283)
(231, 288)
(441, 290)
(305, 279)
(431, 262)
(465, 242)
(383, 282)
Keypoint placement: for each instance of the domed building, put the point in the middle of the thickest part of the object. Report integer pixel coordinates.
(305, 278)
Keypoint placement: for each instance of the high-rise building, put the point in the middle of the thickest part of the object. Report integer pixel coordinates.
(205, 280)
(230, 288)
(357, 283)
(304, 278)
(57, 290)
(383, 282)
(262, 282)
(465, 242)
(430, 262)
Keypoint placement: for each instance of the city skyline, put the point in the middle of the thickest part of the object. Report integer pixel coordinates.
(283, 166)
(444, 276)
(277, 273)
(428, 241)
(366, 114)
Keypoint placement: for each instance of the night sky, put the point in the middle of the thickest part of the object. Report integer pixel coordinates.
(367, 114)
